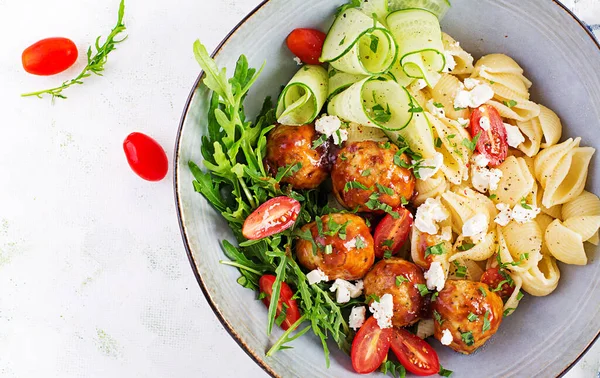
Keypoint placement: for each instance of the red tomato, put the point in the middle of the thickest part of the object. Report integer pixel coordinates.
(414, 354)
(49, 56)
(493, 143)
(370, 347)
(292, 314)
(391, 233)
(146, 157)
(307, 44)
(272, 217)
(493, 277)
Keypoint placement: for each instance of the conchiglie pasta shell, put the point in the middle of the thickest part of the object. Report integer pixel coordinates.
(456, 156)
(554, 211)
(524, 108)
(513, 302)
(532, 131)
(524, 243)
(422, 96)
(481, 252)
(473, 273)
(586, 226)
(546, 161)
(464, 60)
(431, 188)
(460, 208)
(564, 244)
(510, 82)
(542, 279)
(444, 93)
(586, 204)
(500, 63)
(551, 127)
(425, 328)
(569, 178)
(524, 112)
(543, 221)
(516, 183)
(595, 239)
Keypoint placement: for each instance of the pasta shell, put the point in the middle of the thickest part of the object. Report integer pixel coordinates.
(543, 221)
(517, 181)
(547, 160)
(513, 302)
(532, 131)
(586, 226)
(551, 127)
(425, 328)
(586, 204)
(595, 240)
(460, 208)
(463, 60)
(480, 252)
(444, 93)
(524, 243)
(564, 244)
(569, 178)
(456, 155)
(542, 279)
(431, 188)
(500, 63)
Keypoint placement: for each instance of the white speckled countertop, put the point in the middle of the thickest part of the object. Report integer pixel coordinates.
(94, 280)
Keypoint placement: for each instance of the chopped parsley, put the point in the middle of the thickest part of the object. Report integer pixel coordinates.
(472, 317)
(415, 109)
(486, 321)
(366, 173)
(438, 317)
(524, 256)
(360, 243)
(434, 296)
(423, 290)
(261, 296)
(372, 297)
(399, 160)
(374, 43)
(461, 270)
(524, 204)
(438, 105)
(467, 338)
(458, 109)
(400, 280)
(435, 250)
(444, 372)
(403, 201)
(388, 243)
(508, 312)
(471, 144)
(438, 142)
(510, 104)
(493, 196)
(519, 296)
(465, 247)
(385, 189)
(343, 157)
(319, 142)
(387, 255)
(355, 185)
(483, 292)
(328, 249)
(381, 115)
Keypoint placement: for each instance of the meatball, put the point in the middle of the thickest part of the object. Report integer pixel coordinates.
(470, 311)
(289, 145)
(365, 176)
(341, 246)
(399, 278)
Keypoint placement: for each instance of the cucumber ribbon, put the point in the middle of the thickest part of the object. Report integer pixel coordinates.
(303, 98)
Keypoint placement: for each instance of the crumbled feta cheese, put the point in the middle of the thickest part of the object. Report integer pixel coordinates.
(438, 112)
(298, 61)
(480, 160)
(476, 227)
(357, 317)
(429, 167)
(446, 234)
(435, 276)
(462, 100)
(328, 125)
(447, 338)
(346, 290)
(316, 276)
(471, 83)
(450, 62)
(428, 214)
(351, 244)
(523, 215)
(464, 122)
(474, 98)
(421, 84)
(514, 136)
(340, 136)
(484, 179)
(383, 311)
(484, 123)
(505, 215)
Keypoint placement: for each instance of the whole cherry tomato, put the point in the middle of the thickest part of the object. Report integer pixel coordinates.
(146, 157)
(493, 142)
(306, 44)
(292, 313)
(49, 56)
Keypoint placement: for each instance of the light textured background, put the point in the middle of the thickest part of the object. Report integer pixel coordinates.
(94, 280)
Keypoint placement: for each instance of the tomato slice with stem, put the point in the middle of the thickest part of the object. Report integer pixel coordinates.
(272, 217)
(492, 142)
(49, 56)
(370, 347)
(415, 354)
(287, 308)
(493, 277)
(391, 233)
(306, 44)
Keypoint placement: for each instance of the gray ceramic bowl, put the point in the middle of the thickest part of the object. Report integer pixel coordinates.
(545, 336)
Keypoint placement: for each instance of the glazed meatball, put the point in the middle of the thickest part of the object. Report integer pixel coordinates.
(384, 279)
(342, 247)
(462, 309)
(365, 176)
(289, 145)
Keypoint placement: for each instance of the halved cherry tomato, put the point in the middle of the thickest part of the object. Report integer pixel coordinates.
(146, 157)
(49, 56)
(493, 277)
(272, 217)
(307, 44)
(392, 233)
(370, 347)
(414, 354)
(492, 143)
(292, 314)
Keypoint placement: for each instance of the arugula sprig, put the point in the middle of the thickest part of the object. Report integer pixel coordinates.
(95, 63)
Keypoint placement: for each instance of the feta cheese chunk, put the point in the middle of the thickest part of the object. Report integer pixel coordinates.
(476, 227)
(316, 276)
(429, 214)
(340, 136)
(471, 83)
(328, 125)
(357, 317)
(298, 61)
(383, 311)
(435, 276)
(514, 135)
(346, 290)
(484, 179)
(421, 84)
(429, 167)
(431, 108)
(523, 215)
(475, 97)
(480, 160)
(450, 62)
(447, 338)
(484, 123)
(464, 122)
(505, 215)
(446, 234)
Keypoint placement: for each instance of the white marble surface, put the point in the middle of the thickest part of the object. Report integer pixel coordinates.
(94, 280)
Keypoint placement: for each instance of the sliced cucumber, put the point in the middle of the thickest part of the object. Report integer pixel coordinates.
(421, 49)
(303, 98)
(374, 102)
(359, 45)
(375, 7)
(437, 7)
(339, 81)
(418, 135)
(399, 76)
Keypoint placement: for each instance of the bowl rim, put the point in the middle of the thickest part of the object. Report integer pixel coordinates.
(176, 162)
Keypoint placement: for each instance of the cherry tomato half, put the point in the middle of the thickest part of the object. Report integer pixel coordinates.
(414, 354)
(292, 314)
(49, 56)
(146, 157)
(272, 217)
(392, 233)
(370, 347)
(492, 143)
(493, 277)
(307, 44)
